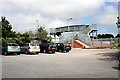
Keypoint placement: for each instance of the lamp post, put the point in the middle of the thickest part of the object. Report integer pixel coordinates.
(68, 23)
(37, 23)
(118, 26)
(69, 30)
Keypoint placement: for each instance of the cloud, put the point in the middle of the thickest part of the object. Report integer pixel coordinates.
(106, 19)
(108, 16)
(52, 9)
(54, 13)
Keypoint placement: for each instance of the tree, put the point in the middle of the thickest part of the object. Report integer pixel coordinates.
(10, 36)
(31, 34)
(0, 29)
(6, 28)
(117, 36)
(26, 37)
(105, 36)
(41, 33)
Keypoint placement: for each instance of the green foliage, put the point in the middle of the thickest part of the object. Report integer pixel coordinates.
(117, 36)
(49, 39)
(6, 28)
(42, 34)
(0, 41)
(3, 40)
(26, 35)
(105, 36)
(10, 36)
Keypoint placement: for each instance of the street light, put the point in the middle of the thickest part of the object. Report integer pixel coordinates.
(68, 23)
(118, 22)
(37, 23)
(118, 26)
(69, 30)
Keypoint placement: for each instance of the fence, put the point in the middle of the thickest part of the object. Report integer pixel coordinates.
(106, 42)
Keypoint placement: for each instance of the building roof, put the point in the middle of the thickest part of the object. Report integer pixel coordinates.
(73, 26)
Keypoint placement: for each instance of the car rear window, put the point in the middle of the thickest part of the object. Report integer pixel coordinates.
(12, 44)
(26, 44)
(66, 44)
(32, 44)
(54, 45)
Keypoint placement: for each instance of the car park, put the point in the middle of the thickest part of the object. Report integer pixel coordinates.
(61, 47)
(29, 48)
(10, 48)
(47, 48)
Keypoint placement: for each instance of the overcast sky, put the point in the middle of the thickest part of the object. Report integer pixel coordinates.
(23, 14)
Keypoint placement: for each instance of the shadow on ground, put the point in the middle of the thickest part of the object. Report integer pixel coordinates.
(113, 56)
(118, 68)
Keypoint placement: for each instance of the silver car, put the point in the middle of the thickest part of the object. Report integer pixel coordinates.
(30, 48)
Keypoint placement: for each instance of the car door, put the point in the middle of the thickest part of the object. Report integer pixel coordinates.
(22, 47)
(58, 46)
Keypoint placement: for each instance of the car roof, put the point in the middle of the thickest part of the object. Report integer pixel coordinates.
(26, 43)
(11, 43)
(59, 43)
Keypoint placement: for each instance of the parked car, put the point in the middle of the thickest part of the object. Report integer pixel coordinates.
(30, 48)
(48, 48)
(51, 48)
(61, 47)
(10, 48)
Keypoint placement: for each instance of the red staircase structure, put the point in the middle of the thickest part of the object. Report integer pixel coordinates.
(80, 44)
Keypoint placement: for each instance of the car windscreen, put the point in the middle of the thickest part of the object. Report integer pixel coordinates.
(32, 44)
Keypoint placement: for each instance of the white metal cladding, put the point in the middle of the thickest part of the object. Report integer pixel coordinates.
(71, 28)
(80, 32)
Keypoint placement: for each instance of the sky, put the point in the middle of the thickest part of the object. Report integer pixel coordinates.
(23, 14)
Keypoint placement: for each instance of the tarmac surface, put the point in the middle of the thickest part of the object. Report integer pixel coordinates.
(78, 63)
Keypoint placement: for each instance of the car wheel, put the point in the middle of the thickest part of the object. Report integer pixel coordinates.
(37, 52)
(50, 52)
(60, 50)
(53, 52)
(5, 53)
(67, 50)
(44, 51)
(18, 53)
(64, 51)
(41, 51)
(26, 51)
